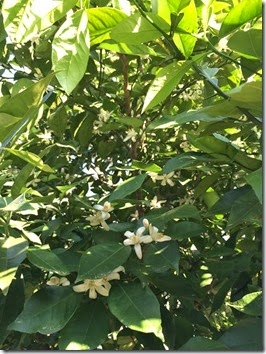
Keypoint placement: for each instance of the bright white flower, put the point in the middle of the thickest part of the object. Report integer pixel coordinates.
(155, 203)
(157, 236)
(166, 179)
(135, 239)
(106, 207)
(131, 135)
(112, 276)
(146, 223)
(99, 219)
(94, 286)
(56, 281)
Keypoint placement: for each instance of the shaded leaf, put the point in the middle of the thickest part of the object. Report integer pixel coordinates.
(87, 329)
(47, 311)
(245, 335)
(202, 343)
(161, 256)
(255, 180)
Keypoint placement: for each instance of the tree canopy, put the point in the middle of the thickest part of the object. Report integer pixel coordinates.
(131, 175)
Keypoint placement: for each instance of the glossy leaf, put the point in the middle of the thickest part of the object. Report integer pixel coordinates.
(136, 307)
(240, 14)
(25, 20)
(47, 311)
(12, 253)
(255, 180)
(101, 260)
(101, 21)
(136, 29)
(250, 304)
(87, 329)
(162, 256)
(183, 211)
(47, 260)
(186, 159)
(127, 187)
(70, 50)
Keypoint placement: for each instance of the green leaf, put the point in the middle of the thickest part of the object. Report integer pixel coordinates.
(102, 259)
(12, 253)
(189, 23)
(31, 158)
(47, 311)
(255, 180)
(58, 121)
(87, 329)
(219, 298)
(162, 256)
(25, 20)
(250, 304)
(247, 43)
(101, 21)
(202, 343)
(136, 29)
(70, 50)
(182, 230)
(164, 83)
(184, 160)
(240, 14)
(150, 167)
(249, 96)
(127, 187)
(131, 49)
(183, 211)
(245, 335)
(136, 307)
(246, 208)
(18, 110)
(47, 260)
(11, 306)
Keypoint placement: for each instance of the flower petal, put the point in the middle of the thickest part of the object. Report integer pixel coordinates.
(102, 290)
(128, 242)
(138, 250)
(80, 288)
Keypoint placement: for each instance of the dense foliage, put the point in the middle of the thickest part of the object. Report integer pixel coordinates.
(131, 175)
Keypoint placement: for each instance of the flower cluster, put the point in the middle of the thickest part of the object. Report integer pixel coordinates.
(101, 214)
(137, 238)
(193, 93)
(165, 178)
(101, 286)
(131, 135)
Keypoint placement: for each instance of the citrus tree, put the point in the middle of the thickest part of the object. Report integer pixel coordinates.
(131, 175)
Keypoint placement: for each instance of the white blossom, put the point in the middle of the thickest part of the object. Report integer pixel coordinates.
(99, 219)
(106, 207)
(166, 179)
(135, 239)
(156, 235)
(155, 203)
(94, 286)
(103, 116)
(56, 281)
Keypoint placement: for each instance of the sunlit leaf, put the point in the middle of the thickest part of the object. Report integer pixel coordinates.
(243, 12)
(136, 307)
(127, 187)
(250, 304)
(70, 50)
